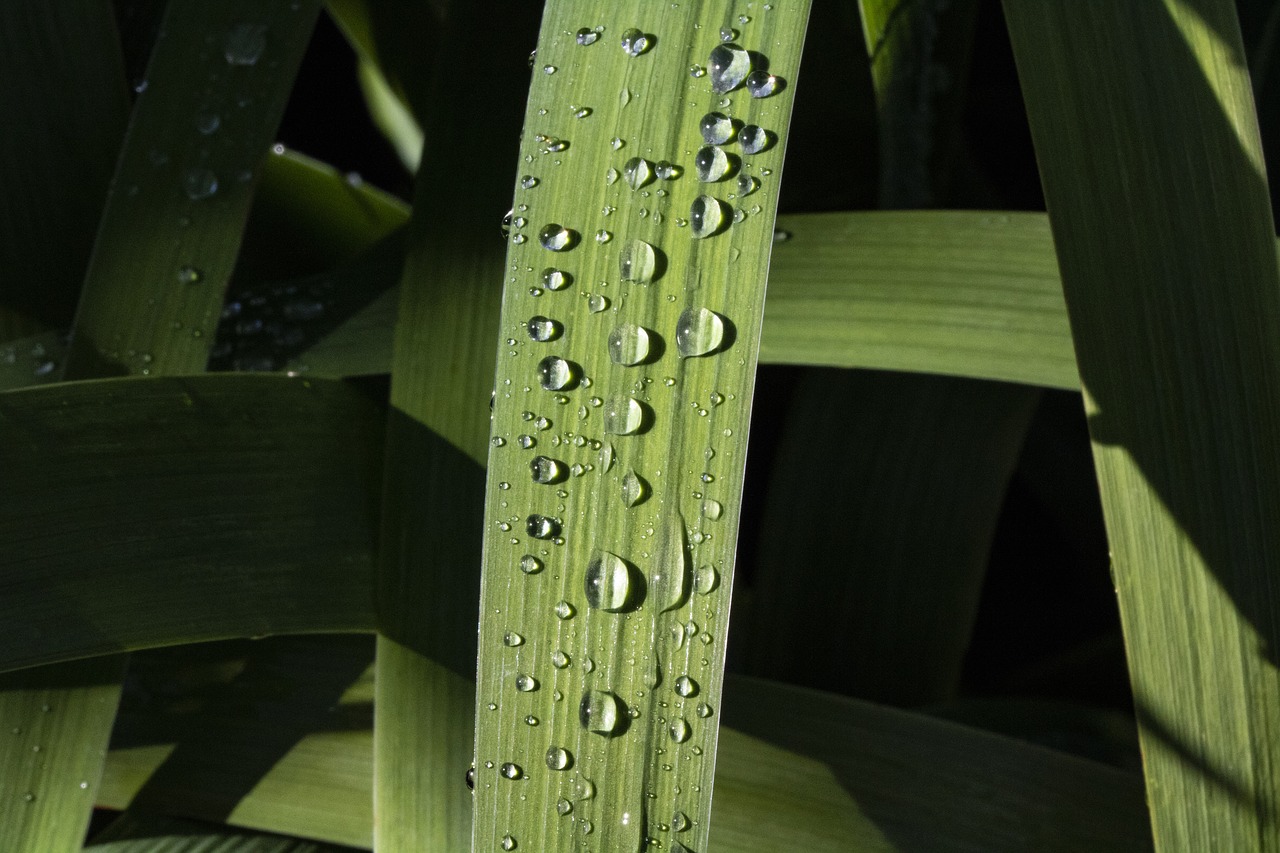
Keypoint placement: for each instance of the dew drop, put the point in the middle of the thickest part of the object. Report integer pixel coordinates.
(543, 328)
(549, 69)
(698, 332)
(686, 686)
(546, 470)
(597, 303)
(508, 842)
(471, 778)
(754, 139)
(728, 34)
(697, 71)
(637, 262)
(542, 527)
(628, 344)
(556, 238)
(530, 720)
(623, 415)
(189, 275)
(564, 610)
(511, 770)
(712, 509)
(728, 66)
(716, 128)
(634, 42)
(528, 182)
(706, 215)
(587, 36)
(554, 279)
(747, 185)
(526, 441)
(599, 712)
(556, 374)
(607, 582)
(679, 822)
(669, 583)
(637, 172)
(526, 683)
(244, 44)
(634, 489)
(705, 579)
(710, 164)
(761, 84)
(603, 236)
(703, 710)
(199, 184)
(563, 807)
(558, 758)
(559, 659)
(680, 730)
(511, 639)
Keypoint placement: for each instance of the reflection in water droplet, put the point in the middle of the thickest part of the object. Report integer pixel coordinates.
(543, 328)
(698, 332)
(599, 712)
(706, 215)
(554, 279)
(754, 139)
(526, 683)
(556, 374)
(530, 564)
(637, 172)
(511, 770)
(634, 489)
(512, 639)
(637, 262)
(705, 579)
(547, 470)
(686, 686)
(628, 344)
(623, 415)
(558, 758)
(680, 730)
(761, 84)
(556, 238)
(710, 164)
(244, 44)
(716, 128)
(199, 184)
(542, 527)
(607, 582)
(634, 42)
(728, 66)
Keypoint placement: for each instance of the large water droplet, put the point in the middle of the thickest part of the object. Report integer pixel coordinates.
(669, 581)
(761, 84)
(199, 183)
(547, 471)
(710, 164)
(558, 758)
(526, 683)
(244, 44)
(554, 279)
(511, 770)
(599, 712)
(587, 36)
(680, 730)
(557, 238)
(563, 807)
(716, 128)
(712, 509)
(623, 415)
(512, 639)
(584, 788)
(597, 303)
(637, 172)
(607, 582)
(706, 216)
(634, 489)
(686, 686)
(637, 262)
(543, 328)
(556, 374)
(698, 332)
(606, 454)
(753, 138)
(634, 42)
(727, 67)
(628, 344)
(530, 564)
(705, 579)
(542, 527)
(679, 822)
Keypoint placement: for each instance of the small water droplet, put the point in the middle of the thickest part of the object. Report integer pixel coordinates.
(634, 42)
(543, 328)
(606, 453)
(511, 639)
(611, 176)
(526, 441)
(703, 710)
(679, 822)
(599, 712)
(549, 69)
(587, 827)
(563, 807)
(705, 579)
(728, 65)
(728, 34)
(29, 797)
(698, 332)
(680, 730)
(189, 275)
(530, 720)
(762, 84)
(511, 770)
(637, 172)
(528, 182)
(707, 216)
(712, 509)
(747, 185)
(546, 470)
(603, 236)
(686, 686)
(607, 582)
(526, 683)
(564, 610)
(559, 659)
(556, 238)
(716, 128)
(554, 279)
(199, 184)
(542, 527)
(597, 303)
(557, 374)
(634, 489)
(754, 139)
(623, 415)
(244, 44)
(637, 262)
(508, 842)
(711, 164)
(587, 36)
(780, 236)
(208, 123)
(667, 171)
(696, 71)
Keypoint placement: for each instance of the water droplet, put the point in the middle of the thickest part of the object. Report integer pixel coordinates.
(607, 582)
(582, 112)
(526, 683)
(623, 415)
(559, 659)
(547, 470)
(558, 758)
(563, 807)
(754, 139)
(528, 182)
(511, 770)
(680, 730)
(698, 332)
(696, 71)
(634, 42)
(29, 797)
(628, 344)
(508, 842)
(587, 827)
(199, 183)
(780, 236)
(530, 720)
(705, 579)
(712, 509)
(703, 710)
(244, 44)
(599, 712)
(728, 34)
(761, 84)
(543, 328)
(549, 69)
(542, 527)
(669, 582)
(728, 65)
(208, 123)
(747, 185)
(634, 489)
(597, 303)
(637, 262)
(667, 171)
(189, 275)
(511, 639)
(677, 635)
(611, 176)
(606, 454)
(556, 374)
(603, 236)
(686, 686)
(679, 822)
(716, 128)
(707, 216)
(526, 441)
(637, 172)
(554, 279)
(564, 610)
(587, 36)
(556, 238)
(710, 164)
(553, 145)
